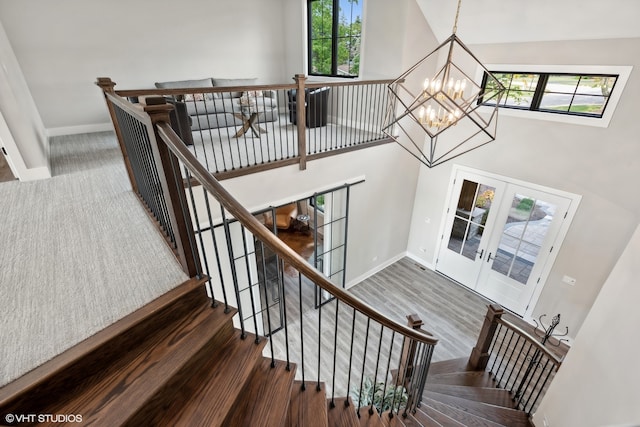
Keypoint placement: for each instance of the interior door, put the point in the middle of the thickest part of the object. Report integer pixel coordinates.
(470, 217)
(529, 223)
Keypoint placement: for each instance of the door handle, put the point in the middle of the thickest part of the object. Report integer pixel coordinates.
(489, 257)
(481, 253)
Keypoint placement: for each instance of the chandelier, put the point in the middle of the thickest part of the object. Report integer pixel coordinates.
(446, 105)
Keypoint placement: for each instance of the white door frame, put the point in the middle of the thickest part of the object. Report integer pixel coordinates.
(573, 207)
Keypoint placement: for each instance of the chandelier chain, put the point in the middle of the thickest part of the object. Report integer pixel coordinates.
(455, 23)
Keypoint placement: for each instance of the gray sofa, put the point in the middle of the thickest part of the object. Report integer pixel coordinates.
(216, 110)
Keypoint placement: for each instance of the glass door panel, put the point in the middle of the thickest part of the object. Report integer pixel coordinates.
(470, 212)
(522, 236)
(530, 222)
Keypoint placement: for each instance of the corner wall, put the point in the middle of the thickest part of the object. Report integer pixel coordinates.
(24, 136)
(599, 382)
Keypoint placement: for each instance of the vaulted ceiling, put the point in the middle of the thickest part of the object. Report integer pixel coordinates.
(508, 21)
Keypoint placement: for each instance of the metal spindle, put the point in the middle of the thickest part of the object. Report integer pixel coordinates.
(375, 373)
(301, 325)
(245, 255)
(502, 358)
(335, 355)
(513, 368)
(544, 384)
(353, 329)
(535, 387)
(266, 300)
(384, 390)
(508, 359)
(318, 387)
(216, 251)
(284, 311)
(234, 273)
(364, 362)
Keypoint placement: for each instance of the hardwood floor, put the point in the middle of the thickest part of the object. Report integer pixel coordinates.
(5, 171)
(450, 312)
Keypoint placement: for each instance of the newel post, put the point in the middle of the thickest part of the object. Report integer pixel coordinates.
(480, 353)
(407, 356)
(108, 87)
(301, 119)
(173, 188)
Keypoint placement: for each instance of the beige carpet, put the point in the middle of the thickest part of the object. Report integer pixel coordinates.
(78, 252)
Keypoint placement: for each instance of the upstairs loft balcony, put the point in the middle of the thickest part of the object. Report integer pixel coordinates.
(236, 130)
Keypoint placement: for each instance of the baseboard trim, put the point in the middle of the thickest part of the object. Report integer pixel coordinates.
(34, 174)
(74, 130)
(376, 269)
(421, 261)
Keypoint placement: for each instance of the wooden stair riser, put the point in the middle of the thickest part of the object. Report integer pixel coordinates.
(209, 391)
(264, 400)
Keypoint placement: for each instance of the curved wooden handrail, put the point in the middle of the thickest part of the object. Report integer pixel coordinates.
(554, 359)
(212, 185)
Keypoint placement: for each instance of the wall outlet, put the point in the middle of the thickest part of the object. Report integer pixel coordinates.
(568, 280)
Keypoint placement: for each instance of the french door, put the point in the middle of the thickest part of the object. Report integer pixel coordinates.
(500, 237)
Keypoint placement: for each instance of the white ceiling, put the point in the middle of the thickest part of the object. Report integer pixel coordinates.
(508, 21)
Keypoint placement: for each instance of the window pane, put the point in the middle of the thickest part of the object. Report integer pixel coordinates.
(588, 104)
(562, 84)
(555, 101)
(343, 30)
(596, 85)
(521, 90)
(349, 31)
(320, 34)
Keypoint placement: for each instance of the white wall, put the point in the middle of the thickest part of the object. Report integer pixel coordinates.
(24, 136)
(599, 382)
(63, 46)
(379, 209)
(598, 163)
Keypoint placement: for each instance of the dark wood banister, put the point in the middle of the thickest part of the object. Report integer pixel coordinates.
(480, 353)
(212, 185)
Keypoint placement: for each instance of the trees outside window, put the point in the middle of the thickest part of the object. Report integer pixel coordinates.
(573, 94)
(334, 28)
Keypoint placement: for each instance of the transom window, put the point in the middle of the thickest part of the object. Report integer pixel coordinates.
(573, 94)
(334, 28)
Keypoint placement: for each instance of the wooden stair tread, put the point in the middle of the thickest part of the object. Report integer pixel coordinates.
(208, 392)
(491, 395)
(264, 400)
(430, 413)
(449, 366)
(399, 420)
(498, 414)
(34, 389)
(470, 378)
(118, 392)
(308, 406)
(420, 419)
(369, 418)
(460, 416)
(342, 415)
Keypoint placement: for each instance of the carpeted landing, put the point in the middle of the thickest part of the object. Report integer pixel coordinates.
(77, 253)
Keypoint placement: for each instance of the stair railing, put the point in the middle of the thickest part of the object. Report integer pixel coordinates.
(344, 347)
(214, 121)
(517, 361)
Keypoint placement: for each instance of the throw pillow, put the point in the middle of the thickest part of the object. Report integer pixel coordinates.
(230, 83)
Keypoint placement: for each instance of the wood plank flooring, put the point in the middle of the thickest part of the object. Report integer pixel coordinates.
(450, 312)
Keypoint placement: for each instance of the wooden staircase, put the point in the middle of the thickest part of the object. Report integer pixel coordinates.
(180, 362)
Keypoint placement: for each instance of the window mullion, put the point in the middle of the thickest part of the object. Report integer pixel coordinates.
(537, 95)
(334, 37)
